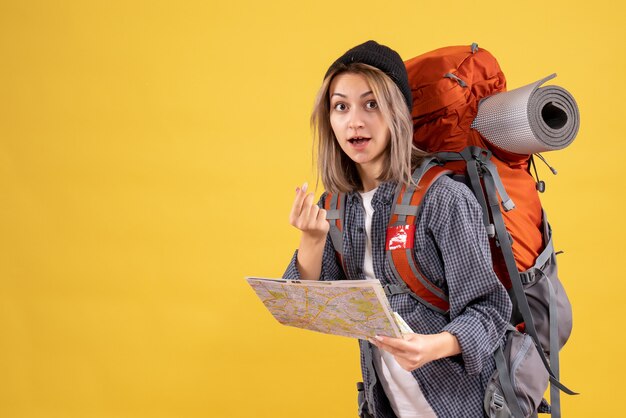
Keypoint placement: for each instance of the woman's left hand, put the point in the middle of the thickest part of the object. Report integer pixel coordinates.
(415, 350)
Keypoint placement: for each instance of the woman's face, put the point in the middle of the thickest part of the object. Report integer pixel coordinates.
(357, 121)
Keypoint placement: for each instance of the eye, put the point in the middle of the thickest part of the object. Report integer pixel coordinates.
(371, 104)
(340, 106)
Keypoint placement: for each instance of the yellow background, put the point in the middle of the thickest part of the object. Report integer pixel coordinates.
(149, 152)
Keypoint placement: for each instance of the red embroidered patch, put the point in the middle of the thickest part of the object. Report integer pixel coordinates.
(400, 237)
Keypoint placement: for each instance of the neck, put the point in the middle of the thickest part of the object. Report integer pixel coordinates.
(369, 176)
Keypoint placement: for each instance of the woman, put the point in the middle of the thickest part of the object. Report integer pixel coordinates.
(363, 127)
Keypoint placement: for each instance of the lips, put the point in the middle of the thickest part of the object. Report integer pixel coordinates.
(359, 140)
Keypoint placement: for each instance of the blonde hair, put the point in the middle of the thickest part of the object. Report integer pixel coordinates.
(337, 170)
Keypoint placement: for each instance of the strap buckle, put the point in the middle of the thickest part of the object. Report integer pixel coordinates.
(394, 289)
(497, 401)
(528, 277)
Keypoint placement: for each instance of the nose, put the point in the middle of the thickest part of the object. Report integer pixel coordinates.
(356, 119)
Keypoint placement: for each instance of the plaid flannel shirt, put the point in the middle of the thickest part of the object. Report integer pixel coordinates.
(452, 250)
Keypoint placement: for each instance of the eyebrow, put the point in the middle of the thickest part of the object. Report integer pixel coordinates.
(344, 96)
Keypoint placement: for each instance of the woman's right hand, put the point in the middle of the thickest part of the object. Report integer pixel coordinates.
(311, 220)
(308, 217)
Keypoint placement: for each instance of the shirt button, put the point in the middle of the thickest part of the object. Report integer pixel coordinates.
(359, 270)
(361, 230)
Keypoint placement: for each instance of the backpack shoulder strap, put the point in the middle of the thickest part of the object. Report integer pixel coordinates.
(401, 234)
(335, 205)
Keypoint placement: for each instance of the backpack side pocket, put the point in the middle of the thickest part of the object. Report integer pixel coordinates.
(517, 386)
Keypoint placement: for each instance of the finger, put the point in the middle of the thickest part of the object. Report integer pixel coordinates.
(296, 208)
(321, 215)
(295, 217)
(395, 343)
(321, 222)
(398, 354)
(313, 212)
(392, 350)
(303, 218)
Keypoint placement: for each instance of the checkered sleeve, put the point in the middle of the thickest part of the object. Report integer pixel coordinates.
(331, 269)
(479, 305)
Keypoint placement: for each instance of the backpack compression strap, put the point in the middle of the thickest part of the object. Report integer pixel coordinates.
(551, 365)
(401, 234)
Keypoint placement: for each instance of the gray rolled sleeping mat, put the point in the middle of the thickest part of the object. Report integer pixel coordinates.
(529, 119)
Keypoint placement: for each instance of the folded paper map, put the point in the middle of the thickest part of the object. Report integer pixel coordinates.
(352, 308)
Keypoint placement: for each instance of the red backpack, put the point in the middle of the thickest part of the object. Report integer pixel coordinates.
(447, 86)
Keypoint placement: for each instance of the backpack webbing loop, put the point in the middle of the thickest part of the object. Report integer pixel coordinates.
(455, 78)
(507, 202)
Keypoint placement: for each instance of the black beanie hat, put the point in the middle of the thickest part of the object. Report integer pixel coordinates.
(382, 57)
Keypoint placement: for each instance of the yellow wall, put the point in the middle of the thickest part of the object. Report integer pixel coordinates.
(149, 151)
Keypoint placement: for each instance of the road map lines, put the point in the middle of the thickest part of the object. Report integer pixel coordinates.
(353, 308)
